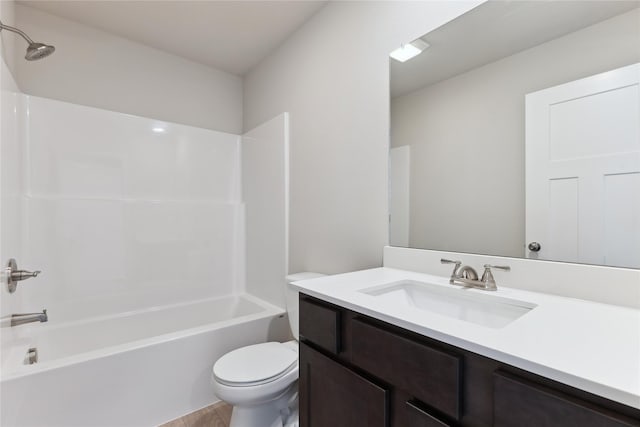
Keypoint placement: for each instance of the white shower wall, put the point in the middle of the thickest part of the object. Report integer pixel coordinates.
(265, 190)
(11, 189)
(125, 213)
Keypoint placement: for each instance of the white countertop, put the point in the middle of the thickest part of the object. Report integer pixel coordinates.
(591, 346)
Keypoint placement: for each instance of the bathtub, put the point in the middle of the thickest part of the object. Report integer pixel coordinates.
(139, 368)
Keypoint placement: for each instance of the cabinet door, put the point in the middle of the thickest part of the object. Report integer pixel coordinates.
(430, 375)
(520, 403)
(332, 395)
(418, 417)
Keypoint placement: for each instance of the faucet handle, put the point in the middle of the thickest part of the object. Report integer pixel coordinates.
(454, 273)
(13, 275)
(499, 267)
(487, 277)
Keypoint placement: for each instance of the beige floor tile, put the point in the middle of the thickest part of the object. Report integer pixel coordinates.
(207, 417)
(218, 415)
(175, 423)
(224, 412)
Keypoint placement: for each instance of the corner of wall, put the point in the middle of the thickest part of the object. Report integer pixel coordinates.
(339, 134)
(96, 68)
(265, 192)
(7, 48)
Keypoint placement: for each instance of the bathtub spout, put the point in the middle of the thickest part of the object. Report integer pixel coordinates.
(20, 319)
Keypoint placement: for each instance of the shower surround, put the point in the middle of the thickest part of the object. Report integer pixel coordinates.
(139, 228)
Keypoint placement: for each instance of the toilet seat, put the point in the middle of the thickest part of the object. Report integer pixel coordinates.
(255, 364)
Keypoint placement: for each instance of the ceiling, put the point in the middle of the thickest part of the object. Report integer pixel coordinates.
(232, 36)
(495, 30)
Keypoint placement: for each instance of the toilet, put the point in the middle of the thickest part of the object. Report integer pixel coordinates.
(261, 380)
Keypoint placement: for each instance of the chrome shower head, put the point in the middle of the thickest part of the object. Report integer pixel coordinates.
(34, 50)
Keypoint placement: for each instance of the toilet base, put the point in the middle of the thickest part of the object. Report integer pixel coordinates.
(281, 412)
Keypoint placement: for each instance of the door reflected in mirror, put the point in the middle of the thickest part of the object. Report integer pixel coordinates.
(517, 133)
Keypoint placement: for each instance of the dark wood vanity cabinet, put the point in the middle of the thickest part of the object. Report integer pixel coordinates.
(358, 371)
(336, 396)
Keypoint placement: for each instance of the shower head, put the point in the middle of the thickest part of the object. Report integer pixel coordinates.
(34, 50)
(38, 50)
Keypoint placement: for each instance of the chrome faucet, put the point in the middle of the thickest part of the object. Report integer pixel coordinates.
(21, 319)
(467, 276)
(460, 271)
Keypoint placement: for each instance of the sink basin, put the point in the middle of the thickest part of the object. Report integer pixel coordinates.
(486, 310)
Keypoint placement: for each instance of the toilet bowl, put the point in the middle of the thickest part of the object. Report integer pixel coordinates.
(261, 380)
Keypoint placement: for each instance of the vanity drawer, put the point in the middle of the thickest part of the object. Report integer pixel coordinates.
(428, 374)
(417, 417)
(320, 324)
(332, 395)
(521, 403)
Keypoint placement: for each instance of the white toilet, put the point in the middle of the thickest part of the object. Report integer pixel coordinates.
(260, 380)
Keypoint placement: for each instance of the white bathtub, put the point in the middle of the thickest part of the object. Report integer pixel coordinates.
(132, 369)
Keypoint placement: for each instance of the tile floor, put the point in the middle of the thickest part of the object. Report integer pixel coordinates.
(217, 415)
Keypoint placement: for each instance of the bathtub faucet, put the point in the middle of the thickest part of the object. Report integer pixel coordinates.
(20, 319)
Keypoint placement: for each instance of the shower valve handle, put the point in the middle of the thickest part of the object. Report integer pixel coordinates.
(14, 275)
(18, 275)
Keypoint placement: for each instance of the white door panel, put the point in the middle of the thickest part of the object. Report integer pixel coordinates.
(563, 220)
(399, 182)
(582, 168)
(622, 218)
(578, 127)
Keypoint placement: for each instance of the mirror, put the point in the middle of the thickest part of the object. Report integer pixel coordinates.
(517, 128)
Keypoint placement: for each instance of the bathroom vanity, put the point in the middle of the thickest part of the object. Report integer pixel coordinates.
(372, 354)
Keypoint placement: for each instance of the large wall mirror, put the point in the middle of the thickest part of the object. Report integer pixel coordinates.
(516, 132)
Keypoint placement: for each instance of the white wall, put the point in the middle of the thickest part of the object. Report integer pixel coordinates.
(120, 217)
(265, 193)
(482, 163)
(94, 68)
(332, 76)
(7, 39)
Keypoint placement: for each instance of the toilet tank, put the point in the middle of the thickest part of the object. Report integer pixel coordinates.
(292, 299)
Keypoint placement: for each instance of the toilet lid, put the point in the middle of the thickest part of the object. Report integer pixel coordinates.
(255, 363)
